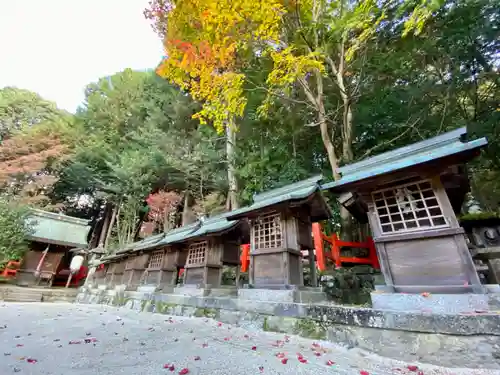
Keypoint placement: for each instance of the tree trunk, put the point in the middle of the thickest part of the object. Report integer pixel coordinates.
(108, 210)
(232, 195)
(188, 216)
(110, 227)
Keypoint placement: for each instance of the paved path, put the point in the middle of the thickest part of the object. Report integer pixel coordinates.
(65, 339)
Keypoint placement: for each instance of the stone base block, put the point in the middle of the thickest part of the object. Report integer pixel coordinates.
(433, 303)
(205, 291)
(306, 295)
(147, 288)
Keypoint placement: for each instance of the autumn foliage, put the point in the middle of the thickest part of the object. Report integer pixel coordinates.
(27, 157)
(161, 205)
(203, 40)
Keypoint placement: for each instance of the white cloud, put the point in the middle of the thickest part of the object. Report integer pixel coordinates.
(56, 47)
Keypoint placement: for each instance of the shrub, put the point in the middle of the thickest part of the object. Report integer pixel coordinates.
(350, 286)
(14, 228)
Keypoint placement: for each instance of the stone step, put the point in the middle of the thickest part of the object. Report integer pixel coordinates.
(23, 298)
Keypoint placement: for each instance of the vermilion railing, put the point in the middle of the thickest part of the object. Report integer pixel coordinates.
(10, 269)
(335, 251)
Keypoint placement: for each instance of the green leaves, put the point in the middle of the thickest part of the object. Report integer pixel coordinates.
(15, 227)
(22, 108)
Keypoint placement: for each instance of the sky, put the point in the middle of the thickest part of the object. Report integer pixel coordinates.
(57, 47)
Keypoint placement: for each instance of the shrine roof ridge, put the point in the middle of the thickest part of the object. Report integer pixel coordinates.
(435, 148)
(297, 191)
(211, 225)
(58, 217)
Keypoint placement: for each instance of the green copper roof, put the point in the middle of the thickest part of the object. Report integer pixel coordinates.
(58, 229)
(439, 147)
(293, 192)
(146, 242)
(210, 226)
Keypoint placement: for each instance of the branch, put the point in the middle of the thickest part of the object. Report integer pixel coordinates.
(380, 145)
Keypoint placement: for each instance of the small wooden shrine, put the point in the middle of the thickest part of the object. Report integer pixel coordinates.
(201, 249)
(54, 236)
(280, 228)
(207, 246)
(483, 234)
(410, 197)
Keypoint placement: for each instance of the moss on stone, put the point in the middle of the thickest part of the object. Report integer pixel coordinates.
(202, 312)
(163, 307)
(265, 325)
(310, 329)
(144, 304)
(119, 300)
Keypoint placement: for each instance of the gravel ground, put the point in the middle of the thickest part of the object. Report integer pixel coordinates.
(66, 339)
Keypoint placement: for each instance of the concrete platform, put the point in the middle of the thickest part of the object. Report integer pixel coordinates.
(468, 339)
(303, 295)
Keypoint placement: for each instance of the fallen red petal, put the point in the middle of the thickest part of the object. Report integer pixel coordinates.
(330, 363)
(280, 355)
(172, 368)
(166, 365)
(363, 372)
(420, 373)
(302, 360)
(197, 358)
(74, 342)
(254, 348)
(219, 324)
(184, 371)
(31, 360)
(204, 345)
(19, 345)
(412, 367)
(317, 354)
(261, 368)
(245, 336)
(284, 361)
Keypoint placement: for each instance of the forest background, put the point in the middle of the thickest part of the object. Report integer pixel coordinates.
(280, 94)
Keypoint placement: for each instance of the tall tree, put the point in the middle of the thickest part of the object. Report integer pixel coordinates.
(204, 41)
(312, 43)
(21, 108)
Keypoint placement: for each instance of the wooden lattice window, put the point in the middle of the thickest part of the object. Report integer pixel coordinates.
(408, 207)
(197, 253)
(266, 232)
(156, 260)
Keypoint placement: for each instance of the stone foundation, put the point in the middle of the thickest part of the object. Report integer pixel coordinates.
(455, 340)
(435, 303)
